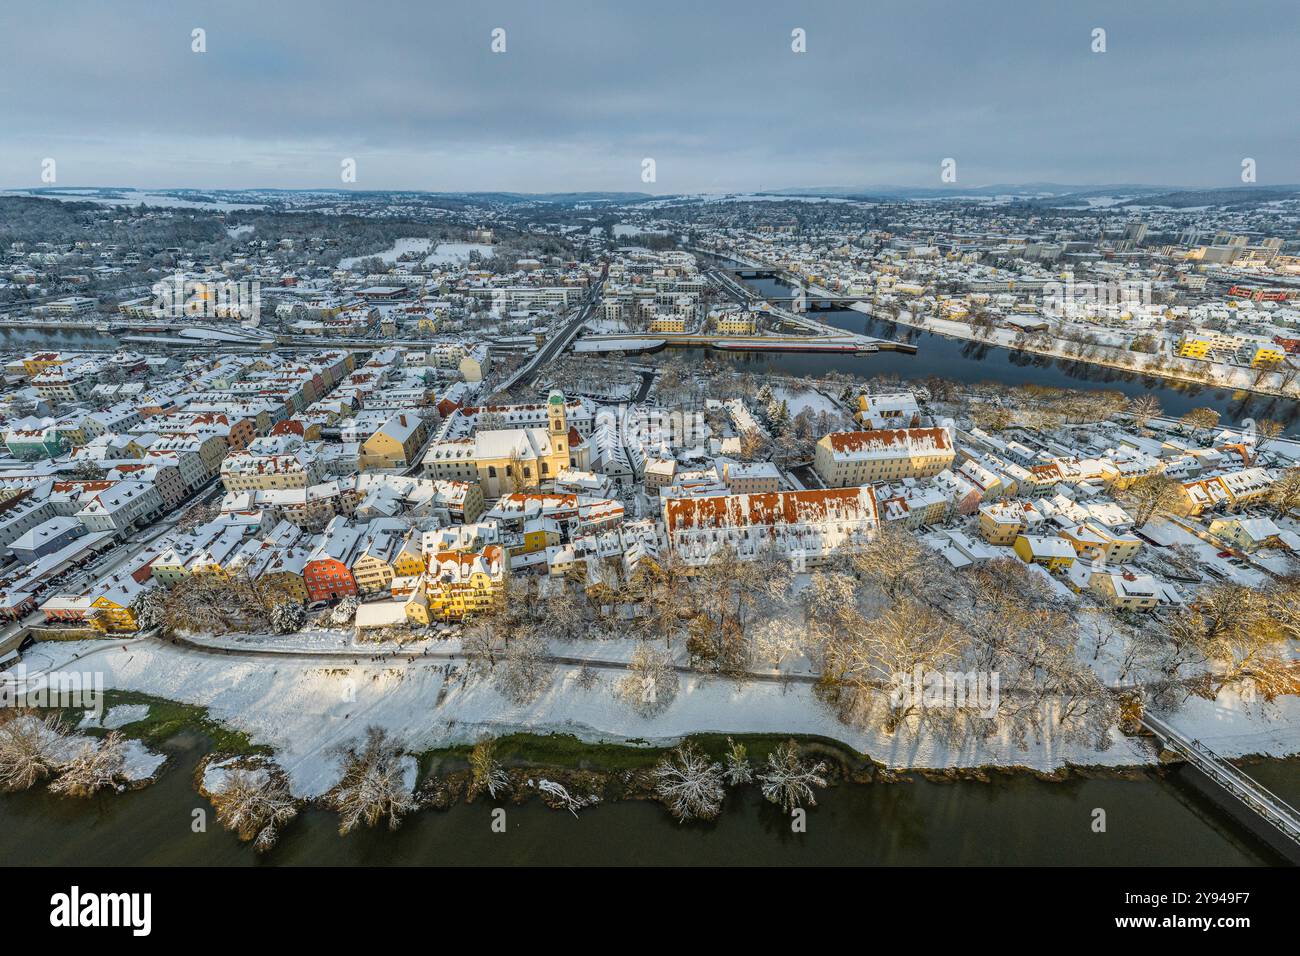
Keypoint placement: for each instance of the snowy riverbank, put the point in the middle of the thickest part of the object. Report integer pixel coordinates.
(305, 708)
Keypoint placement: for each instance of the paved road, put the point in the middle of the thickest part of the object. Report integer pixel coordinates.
(360, 656)
(561, 340)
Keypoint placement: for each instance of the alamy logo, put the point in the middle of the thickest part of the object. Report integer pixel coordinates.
(1072, 299)
(75, 909)
(79, 690)
(181, 298)
(946, 690)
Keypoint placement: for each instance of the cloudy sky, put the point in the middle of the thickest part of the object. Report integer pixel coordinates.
(586, 90)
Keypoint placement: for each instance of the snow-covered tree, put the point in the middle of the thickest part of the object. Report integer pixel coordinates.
(373, 784)
(486, 772)
(31, 749)
(652, 684)
(150, 608)
(255, 804)
(345, 611)
(689, 784)
(95, 767)
(788, 781)
(738, 769)
(288, 617)
(524, 670)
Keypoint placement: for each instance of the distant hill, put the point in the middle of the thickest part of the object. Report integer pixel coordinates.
(1060, 194)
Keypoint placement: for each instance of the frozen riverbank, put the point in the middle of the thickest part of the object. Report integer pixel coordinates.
(305, 708)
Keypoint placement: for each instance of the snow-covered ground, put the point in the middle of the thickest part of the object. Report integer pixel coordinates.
(306, 709)
(400, 247)
(456, 253)
(141, 763)
(810, 399)
(117, 716)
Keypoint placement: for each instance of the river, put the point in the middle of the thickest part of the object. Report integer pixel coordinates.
(974, 362)
(1157, 819)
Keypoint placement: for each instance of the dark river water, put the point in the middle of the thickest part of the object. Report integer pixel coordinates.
(83, 340)
(1159, 819)
(975, 362)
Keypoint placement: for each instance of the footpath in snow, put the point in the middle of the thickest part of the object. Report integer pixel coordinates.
(305, 709)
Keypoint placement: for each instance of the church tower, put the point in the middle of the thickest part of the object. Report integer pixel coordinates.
(559, 424)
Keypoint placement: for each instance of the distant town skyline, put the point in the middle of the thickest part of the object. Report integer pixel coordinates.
(283, 94)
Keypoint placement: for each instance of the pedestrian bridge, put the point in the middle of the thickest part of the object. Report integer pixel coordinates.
(1267, 805)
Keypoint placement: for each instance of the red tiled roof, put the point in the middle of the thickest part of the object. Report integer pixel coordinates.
(881, 438)
(769, 509)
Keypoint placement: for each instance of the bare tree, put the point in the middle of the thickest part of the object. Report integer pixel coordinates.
(1151, 496)
(486, 772)
(96, 766)
(483, 643)
(32, 749)
(868, 656)
(895, 561)
(373, 784)
(689, 783)
(524, 670)
(1200, 419)
(1143, 409)
(738, 767)
(1284, 494)
(651, 685)
(256, 804)
(788, 781)
(1267, 431)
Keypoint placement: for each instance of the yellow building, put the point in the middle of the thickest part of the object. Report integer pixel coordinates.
(35, 364)
(417, 607)
(1268, 356)
(409, 561)
(668, 323)
(1194, 348)
(1001, 523)
(1049, 551)
(737, 323)
(508, 460)
(395, 445)
(461, 583)
(1124, 589)
(846, 459)
(112, 617)
(540, 533)
(1093, 541)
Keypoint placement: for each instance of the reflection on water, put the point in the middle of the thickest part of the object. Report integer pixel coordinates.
(1016, 819)
(960, 360)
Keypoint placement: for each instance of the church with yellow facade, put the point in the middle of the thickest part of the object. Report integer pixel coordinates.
(526, 459)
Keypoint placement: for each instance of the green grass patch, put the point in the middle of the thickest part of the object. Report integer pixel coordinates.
(568, 752)
(166, 719)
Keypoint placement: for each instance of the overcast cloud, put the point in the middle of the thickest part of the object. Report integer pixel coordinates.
(585, 91)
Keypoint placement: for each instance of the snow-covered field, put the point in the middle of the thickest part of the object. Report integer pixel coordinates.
(444, 254)
(306, 709)
(456, 253)
(810, 399)
(400, 247)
